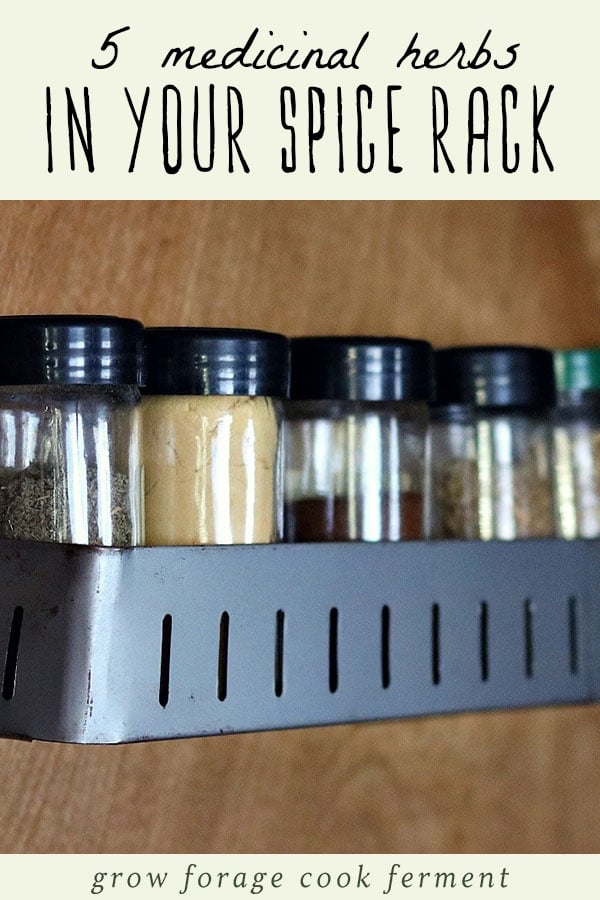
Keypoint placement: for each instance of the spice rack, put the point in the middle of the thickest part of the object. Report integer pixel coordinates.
(110, 646)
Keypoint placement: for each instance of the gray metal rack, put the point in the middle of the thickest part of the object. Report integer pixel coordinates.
(109, 646)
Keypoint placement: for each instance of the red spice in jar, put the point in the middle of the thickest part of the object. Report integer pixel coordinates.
(316, 519)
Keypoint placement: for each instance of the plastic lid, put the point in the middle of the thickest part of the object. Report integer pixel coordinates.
(495, 376)
(70, 350)
(213, 361)
(577, 370)
(361, 368)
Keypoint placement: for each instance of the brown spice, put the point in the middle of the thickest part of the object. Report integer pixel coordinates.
(316, 519)
(519, 507)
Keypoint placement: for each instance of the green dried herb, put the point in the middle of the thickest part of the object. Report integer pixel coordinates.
(34, 506)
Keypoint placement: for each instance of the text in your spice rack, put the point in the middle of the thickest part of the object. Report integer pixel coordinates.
(199, 121)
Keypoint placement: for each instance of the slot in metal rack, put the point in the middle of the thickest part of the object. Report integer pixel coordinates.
(105, 645)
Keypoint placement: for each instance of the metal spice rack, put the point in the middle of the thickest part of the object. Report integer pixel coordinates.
(110, 646)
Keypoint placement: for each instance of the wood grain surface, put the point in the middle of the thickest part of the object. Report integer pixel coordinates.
(525, 781)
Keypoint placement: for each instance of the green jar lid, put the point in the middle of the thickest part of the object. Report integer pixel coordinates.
(577, 370)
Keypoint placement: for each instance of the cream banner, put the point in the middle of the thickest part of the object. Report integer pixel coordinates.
(390, 100)
(219, 877)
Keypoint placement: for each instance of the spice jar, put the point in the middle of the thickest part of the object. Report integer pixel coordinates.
(490, 444)
(212, 435)
(354, 439)
(70, 448)
(577, 442)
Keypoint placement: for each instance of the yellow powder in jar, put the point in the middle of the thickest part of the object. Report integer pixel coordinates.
(212, 470)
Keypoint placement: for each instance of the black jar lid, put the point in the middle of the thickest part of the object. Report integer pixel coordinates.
(216, 361)
(495, 376)
(361, 368)
(70, 350)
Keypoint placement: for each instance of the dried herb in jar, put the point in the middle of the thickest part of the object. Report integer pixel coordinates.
(576, 436)
(36, 504)
(489, 444)
(70, 440)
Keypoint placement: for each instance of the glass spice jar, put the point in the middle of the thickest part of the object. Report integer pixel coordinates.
(490, 444)
(212, 435)
(354, 439)
(70, 448)
(576, 436)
